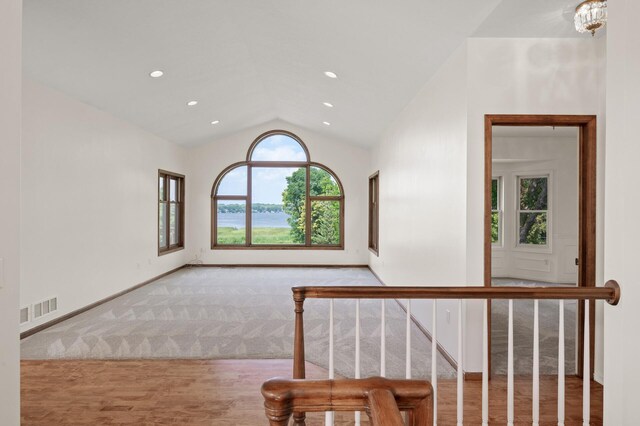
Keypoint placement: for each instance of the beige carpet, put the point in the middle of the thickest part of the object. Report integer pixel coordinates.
(236, 313)
(523, 332)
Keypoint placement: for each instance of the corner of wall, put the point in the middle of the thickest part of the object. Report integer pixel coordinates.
(10, 139)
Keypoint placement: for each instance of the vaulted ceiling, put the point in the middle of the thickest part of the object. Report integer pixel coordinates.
(248, 62)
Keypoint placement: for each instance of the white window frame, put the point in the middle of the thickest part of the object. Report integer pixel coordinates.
(500, 210)
(546, 248)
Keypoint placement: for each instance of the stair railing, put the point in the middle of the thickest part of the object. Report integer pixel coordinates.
(610, 293)
(382, 399)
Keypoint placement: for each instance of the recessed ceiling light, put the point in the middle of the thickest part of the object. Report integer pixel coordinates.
(331, 74)
(215, 122)
(328, 104)
(326, 123)
(156, 74)
(192, 103)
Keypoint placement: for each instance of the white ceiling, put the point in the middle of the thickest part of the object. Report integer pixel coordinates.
(248, 62)
(532, 18)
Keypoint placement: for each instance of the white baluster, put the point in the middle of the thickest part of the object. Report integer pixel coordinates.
(434, 360)
(408, 354)
(510, 367)
(536, 366)
(357, 372)
(586, 369)
(561, 364)
(383, 341)
(329, 415)
(485, 364)
(460, 402)
(331, 355)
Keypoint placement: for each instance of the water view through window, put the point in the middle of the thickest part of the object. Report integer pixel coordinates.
(273, 185)
(277, 210)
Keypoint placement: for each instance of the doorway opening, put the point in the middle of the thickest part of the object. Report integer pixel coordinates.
(540, 224)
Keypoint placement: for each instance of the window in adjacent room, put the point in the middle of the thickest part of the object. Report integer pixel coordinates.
(277, 198)
(496, 211)
(170, 212)
(374, 210)
(533, 210)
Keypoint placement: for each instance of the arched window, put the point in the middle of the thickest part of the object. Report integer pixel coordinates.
(277, 198)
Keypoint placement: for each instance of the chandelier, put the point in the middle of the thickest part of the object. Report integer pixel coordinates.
(591, 15)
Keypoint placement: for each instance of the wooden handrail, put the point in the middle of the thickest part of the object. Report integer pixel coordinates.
(610, 292)
(383, 409)
(382, 399)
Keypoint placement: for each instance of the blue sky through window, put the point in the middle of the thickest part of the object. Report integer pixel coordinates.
(268, 183)
(278, 148)
(234, 182)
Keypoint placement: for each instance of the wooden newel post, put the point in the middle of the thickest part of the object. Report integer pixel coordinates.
(298, 349)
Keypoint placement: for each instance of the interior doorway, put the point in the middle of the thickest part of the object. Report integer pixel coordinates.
(540, 196)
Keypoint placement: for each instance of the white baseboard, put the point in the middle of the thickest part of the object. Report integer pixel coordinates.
(598, 377)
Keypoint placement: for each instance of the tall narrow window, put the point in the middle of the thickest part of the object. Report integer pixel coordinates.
(277, 198)
(170, 212)
(496, 211)
(374, 210)
(533, 210)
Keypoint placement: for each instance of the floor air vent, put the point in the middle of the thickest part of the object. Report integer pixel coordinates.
(24, 315)
(45, 307)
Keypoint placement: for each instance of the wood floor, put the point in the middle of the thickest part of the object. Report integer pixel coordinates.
(227, 392)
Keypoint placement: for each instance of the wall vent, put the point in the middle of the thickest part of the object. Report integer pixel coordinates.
(25, 315)
(45, 307)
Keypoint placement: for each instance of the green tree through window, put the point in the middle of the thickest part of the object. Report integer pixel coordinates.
(267, 200)
(533, 210)
(325, 215)
(496, 213)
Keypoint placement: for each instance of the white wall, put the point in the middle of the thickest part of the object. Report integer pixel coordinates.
(89, 202)
(431, 160)
(527, 76)
(10, 76)
(558, 158)
(622, 203)
(422, 163)
(349, 162)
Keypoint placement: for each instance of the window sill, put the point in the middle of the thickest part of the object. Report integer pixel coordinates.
(533, 249)
(169, 251)
(374, 251)
(271, 247)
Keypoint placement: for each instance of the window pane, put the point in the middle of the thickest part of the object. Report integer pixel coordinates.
(373, 213)
(323, 183)
(533, 193)
(533, 228)
(161, 188)
(374, 190)
(278, 148)
(494, 194)
(173, 189)
(162, 225)
(278, 205)
(231, 223)
(495, 227)
(325, 222)
(234, 182)
(174, 224)
(170, 220)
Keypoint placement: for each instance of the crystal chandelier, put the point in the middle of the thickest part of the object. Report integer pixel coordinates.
(591, 15)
